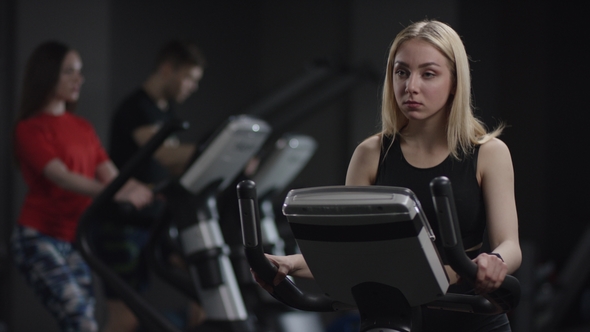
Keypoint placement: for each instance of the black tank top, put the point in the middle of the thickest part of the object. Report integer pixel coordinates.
(394, 170)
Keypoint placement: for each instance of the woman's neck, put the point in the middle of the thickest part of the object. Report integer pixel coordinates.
(55, 107)
(424, 147)
(425, 135)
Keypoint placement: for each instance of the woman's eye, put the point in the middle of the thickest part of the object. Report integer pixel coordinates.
(429, 75)
(401, 73)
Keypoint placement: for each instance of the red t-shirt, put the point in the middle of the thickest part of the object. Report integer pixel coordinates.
(40, 139)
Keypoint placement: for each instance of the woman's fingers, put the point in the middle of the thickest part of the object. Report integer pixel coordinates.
(282, 267)
(261, 282)
(491, 272)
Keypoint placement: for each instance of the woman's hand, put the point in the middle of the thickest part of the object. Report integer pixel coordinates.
(491, 271)
(136, 193)
(293, 265)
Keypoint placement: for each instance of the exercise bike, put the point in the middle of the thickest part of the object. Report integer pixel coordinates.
(337, 228)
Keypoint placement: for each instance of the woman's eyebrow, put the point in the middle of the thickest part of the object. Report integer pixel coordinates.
(426, 64)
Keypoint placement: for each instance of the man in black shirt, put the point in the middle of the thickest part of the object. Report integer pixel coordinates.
(176, 75)
(178, 70)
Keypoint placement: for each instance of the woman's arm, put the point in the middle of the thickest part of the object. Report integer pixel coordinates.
(57, 172)
(362, 169)
(496, 175)
(106, 172)
(171, 154)
(133, 191)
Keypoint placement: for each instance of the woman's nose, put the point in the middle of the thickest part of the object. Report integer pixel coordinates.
(411, 84)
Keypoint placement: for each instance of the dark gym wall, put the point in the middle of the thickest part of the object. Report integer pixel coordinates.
(538, 87)
(6, 103)
(524, 83)
(550, 69)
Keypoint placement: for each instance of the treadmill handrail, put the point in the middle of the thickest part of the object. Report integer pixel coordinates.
(503, 299)
(146, 313)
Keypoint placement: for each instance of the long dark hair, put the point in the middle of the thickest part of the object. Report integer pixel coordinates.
(41, 77)
(40, 80)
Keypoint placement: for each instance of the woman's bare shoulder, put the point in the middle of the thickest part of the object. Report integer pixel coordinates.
(494, 148)
(371, 144)
(494, 155)
(362, 169)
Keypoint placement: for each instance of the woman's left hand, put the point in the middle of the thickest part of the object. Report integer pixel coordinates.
(491, 271)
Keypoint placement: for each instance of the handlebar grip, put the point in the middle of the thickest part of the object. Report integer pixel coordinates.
(251, 234)
(286, 291)
(507, 296)
(450, 232)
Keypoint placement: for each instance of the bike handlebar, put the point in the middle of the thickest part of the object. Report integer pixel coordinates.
(286, 291)
(503, 299)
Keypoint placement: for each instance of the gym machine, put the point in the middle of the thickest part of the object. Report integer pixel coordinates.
(277, 170)
(337, 228)
(290, 155)
(191, 198)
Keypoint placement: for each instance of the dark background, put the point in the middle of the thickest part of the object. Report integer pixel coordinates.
(529, 65)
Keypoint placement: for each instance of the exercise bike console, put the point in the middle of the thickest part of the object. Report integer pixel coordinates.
(343, 231)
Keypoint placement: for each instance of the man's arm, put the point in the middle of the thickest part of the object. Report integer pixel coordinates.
(172, 154)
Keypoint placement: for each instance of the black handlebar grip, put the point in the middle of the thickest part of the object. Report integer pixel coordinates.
(286, 291)
(507, 296)
(251, 234)
(444, 205)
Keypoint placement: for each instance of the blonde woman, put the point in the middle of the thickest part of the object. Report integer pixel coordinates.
(429, 130)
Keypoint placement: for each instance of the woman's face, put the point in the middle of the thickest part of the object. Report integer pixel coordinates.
(70, 78)
(422, 80)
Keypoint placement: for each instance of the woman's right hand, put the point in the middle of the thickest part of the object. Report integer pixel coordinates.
(293, 265)
(136, 193)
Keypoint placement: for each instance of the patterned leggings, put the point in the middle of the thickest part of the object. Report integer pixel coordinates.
(58, 275)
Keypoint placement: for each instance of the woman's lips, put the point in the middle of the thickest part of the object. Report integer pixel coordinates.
(411, 103)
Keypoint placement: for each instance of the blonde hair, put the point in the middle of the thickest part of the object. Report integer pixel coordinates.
(464, 130)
